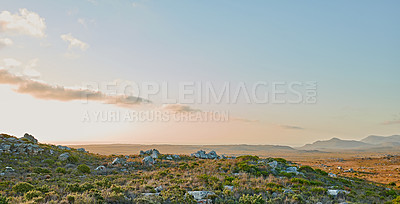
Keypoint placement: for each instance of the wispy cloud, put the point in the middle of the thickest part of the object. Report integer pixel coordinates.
(291, 127)
(24, 22)
(5, 42)
(391, 122)
(178, 108)
(74, 42)
(11, 63)
(43, 90)
(245, 120)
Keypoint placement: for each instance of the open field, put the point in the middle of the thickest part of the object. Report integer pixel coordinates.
(371, 166)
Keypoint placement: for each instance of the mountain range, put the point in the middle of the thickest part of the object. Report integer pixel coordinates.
(373, 142)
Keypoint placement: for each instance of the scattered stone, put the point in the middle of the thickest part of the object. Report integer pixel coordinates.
(337, 192)
(287, 191)
(9, 169)
(148, 161)
(292, 169)
(30, 138)
(150, 194)
(118, 161)
(81, 150)
(70, 166)
(273, 164)
(339, 167)
(63, 147)
(168, 157)
(100, 168)
(332, 175)
(200, 195)
(158, 189)
(176, 156)
(63, 156)
(229, 187)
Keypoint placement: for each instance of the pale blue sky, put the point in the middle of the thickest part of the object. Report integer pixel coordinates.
(351, 48)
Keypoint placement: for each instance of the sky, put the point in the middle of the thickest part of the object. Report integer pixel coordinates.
(69, 68)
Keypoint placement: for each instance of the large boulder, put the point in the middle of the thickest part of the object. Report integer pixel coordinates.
(148, 161)
(203, 155)
(30, 138)
(63, 156)
(155, 153)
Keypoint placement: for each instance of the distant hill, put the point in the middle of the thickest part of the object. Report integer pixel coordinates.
(335, 143)
(373, 139)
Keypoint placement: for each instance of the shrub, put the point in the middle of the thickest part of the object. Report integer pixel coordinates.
(251, 199)
(281, 160)
(248, 158)
(3, 200)
(40, 170)
(22, 187)
(306, 169)
(71, 198)
(61, 170)
(72, 159)
(392, 184)
(84, 168)
(32, 194)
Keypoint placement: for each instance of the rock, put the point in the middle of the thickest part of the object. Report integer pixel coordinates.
(332, 175)
(168, 157)
(339, 167)
(118, 161)
(203, 155)
(63, 147)
(212, 155)
(100, 168)
(30, 138)
(229, 187)
(287, 191)
(141, 153)
(292, 169)
(200, 195)
(148, 161)
(81, 150)
(63, 156)
(158, 189)
(155, 153)
(70, 166)
(337, 192)
(150, 194)
(176, 156)
(9, 169)
(273, 164)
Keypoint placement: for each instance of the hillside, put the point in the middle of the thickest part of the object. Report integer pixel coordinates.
(42, 173)
(373, 139)
(335, 144)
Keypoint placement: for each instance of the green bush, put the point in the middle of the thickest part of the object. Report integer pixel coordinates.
(72, 159)
(22, 187)
(84, 168)
(307, 169)
(3, 200)
(251, 199)
(40, 170)
(32, 194)
(248, 158)
(61, 170)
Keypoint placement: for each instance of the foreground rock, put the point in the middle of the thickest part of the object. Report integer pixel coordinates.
(201, 196)
(148, 161)
(63, 156)
(30, 138)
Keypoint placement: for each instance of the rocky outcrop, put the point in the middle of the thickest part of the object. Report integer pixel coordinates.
(148, 161)
(154, 153)
(63, 156)
(24, 145)
(100, 168)
(30, 138)
(203, 155)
